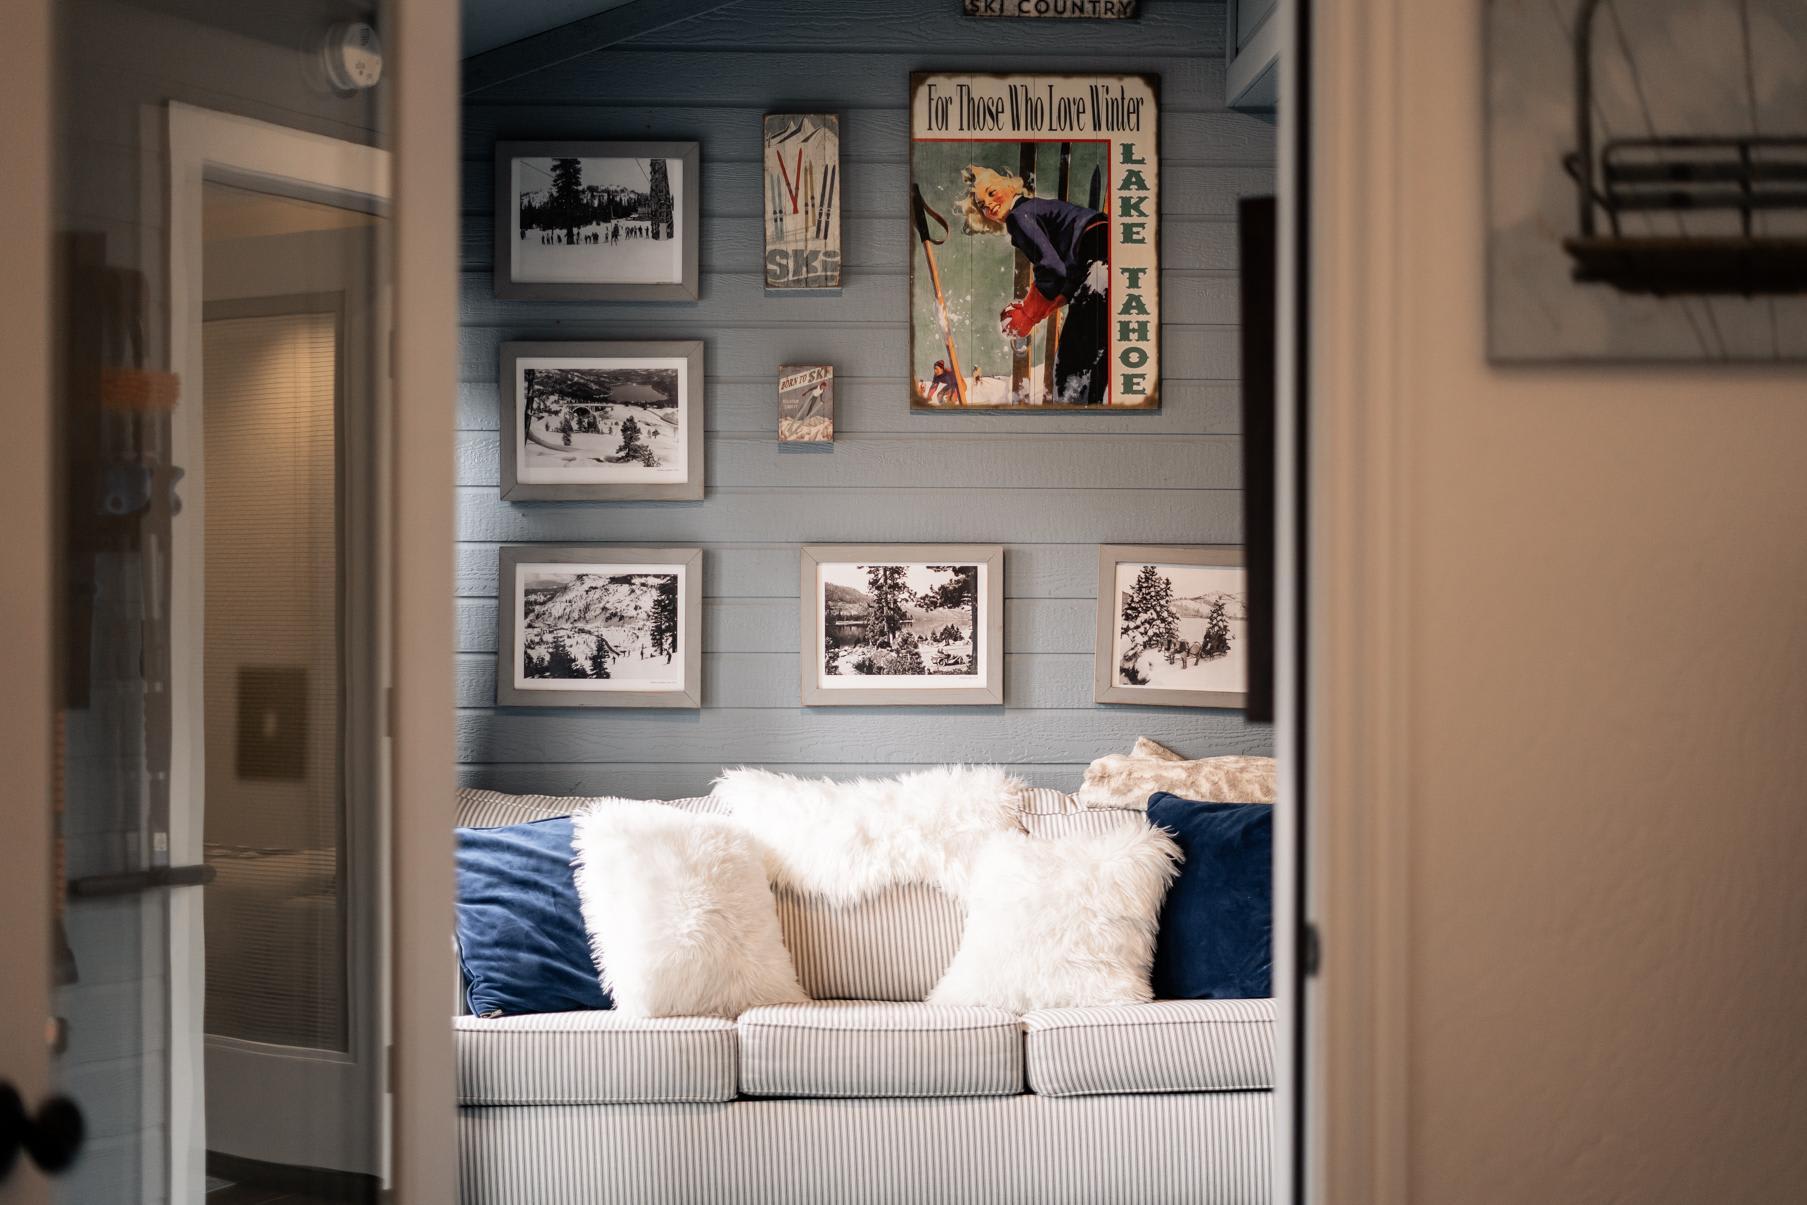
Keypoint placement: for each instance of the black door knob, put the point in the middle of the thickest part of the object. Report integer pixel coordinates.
(52, 1138)
(13, 1123)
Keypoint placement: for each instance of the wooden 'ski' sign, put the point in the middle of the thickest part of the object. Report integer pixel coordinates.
(802, 201)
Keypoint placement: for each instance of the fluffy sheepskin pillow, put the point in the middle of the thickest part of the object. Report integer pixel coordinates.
(847, 841)
(1127, 781)
(679, 912)
(1063, 923)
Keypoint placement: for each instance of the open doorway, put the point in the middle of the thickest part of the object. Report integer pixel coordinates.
(957, 417)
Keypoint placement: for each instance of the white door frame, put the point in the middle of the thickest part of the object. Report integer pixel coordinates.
(424, 107)
(1355, 626)
(26, 625)
(203, 145)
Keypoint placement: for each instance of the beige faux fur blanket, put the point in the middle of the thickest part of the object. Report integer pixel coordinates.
(1127, 780)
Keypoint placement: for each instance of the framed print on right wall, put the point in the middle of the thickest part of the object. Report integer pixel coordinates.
(1172, 626)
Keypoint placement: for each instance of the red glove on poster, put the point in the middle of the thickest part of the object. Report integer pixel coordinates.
(1020, 317)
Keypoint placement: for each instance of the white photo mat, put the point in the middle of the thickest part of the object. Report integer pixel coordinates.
(936, 635)
(1184, 641)
(607, 626)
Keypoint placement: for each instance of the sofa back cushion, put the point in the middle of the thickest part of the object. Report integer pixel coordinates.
(478, 808)
(894, 946)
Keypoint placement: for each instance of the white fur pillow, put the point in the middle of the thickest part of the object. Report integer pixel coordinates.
(1126, 780)
(679, 912)
(847, 841)
(1063, 923)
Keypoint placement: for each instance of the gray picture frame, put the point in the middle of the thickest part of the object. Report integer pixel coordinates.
(688, 205)
(690, 635)
(991, 606)
(1105, 688)
(509, 417)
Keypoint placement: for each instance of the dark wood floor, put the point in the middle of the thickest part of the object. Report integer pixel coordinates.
(249, 1182)
(247, 1194)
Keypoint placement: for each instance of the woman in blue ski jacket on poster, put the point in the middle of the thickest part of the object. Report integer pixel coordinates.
(1068, 248)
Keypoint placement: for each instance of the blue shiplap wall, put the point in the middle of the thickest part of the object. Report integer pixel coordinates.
(1050, 488)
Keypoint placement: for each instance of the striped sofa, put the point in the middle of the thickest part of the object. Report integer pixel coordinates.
(867, 1095)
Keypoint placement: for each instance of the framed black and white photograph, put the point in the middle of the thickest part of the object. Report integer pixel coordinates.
(595, 626)
(902, 624)
(1644, 168)
(1172, 626)
(597, 221)
(601, 422)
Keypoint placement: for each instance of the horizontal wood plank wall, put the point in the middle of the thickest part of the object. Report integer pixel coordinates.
(1048, 487)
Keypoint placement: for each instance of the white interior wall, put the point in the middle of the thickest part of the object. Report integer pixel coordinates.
(1604, 686)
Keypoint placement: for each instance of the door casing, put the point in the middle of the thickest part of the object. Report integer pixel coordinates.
(206, 145)
(27, 631)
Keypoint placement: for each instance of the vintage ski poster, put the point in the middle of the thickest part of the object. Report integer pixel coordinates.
(803, 201)
(806, 403)
(1035, 235)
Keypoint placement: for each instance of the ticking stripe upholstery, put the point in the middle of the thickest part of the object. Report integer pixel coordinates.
(846, 1048)
(893, 946)
(1167, 1046)
(1055, 825)
(597, 1057)
(1209, 1148)
(495, 809)
(1045, 801)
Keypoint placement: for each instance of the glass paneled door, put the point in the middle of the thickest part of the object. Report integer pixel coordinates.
(222, 343)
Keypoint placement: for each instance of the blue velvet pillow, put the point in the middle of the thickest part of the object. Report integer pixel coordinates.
(521, 934)
(1216, 937)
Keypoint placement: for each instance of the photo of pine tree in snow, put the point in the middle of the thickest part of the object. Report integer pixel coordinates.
(598, 221)
(599, 627)
(600, 421)
(900, 624)
(1180, 627)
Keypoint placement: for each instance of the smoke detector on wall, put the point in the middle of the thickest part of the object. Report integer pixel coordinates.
(352, 56)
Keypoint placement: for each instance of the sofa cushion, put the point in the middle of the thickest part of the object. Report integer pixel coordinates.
(893, 946)
(1166, 1046)
(1216, 937)
(845, 1048)
(521, 940)
(679, 912)
(1061, 924)
(592, 1058)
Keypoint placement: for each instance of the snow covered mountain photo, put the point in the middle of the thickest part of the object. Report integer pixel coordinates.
(600, 422)
(1180, 627)
(599, 627)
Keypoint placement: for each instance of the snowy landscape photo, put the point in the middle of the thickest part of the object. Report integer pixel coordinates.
(887, 625)
(607, 220)
(1179, 627)
(601, 421)
(601, 627)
